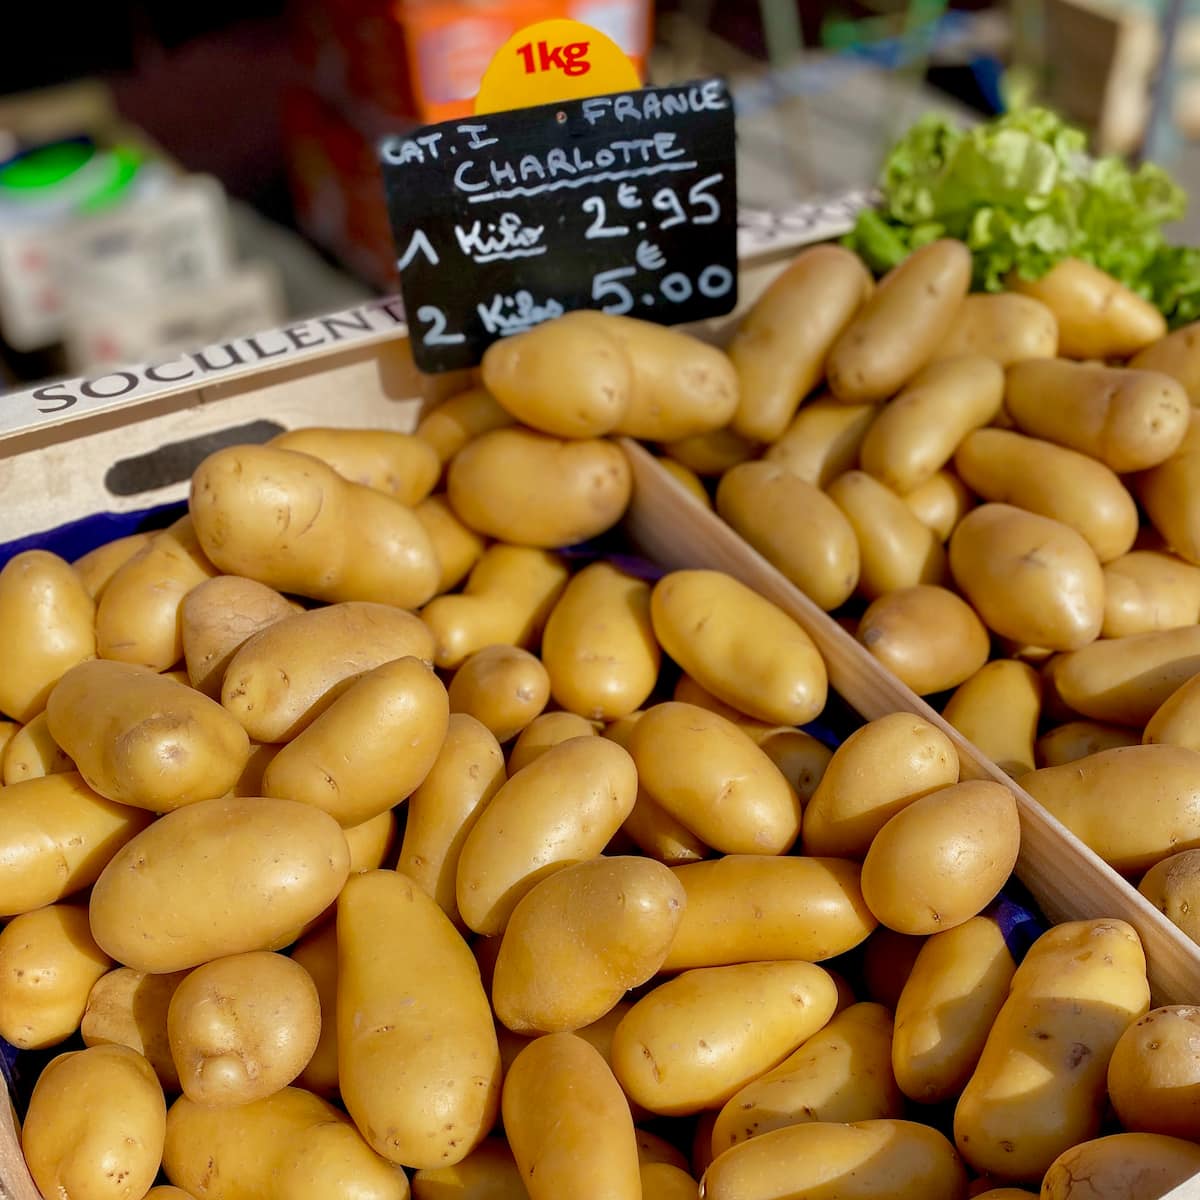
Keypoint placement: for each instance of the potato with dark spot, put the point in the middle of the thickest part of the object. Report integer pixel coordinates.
(1154, 1073)
(503, 687)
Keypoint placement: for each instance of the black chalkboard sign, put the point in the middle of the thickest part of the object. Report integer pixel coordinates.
(626, 203)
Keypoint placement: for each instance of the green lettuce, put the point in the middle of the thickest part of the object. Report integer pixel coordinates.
(1022, 192)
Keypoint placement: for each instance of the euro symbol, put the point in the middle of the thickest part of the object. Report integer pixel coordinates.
(649, 257)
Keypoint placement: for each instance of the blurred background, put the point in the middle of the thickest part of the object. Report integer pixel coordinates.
(174, 174)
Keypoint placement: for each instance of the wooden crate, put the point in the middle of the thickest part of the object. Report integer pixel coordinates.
(121, 454)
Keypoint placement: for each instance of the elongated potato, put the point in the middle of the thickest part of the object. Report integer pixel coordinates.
(180, 893)
(316, 952)
(781, 345)
(489, 1172)
(292, 522)
(1039, 1085)
(48, 965)
(460, 419)
(823, 439)
(218, 617)
(1154, 1073)
(940, 503)
(1055, 482)
(1172, 885)
(1006, 327)
(1170, 494)
(1078, 739)
(31, 753)
(869, 1160)
(286, 675)
(753, 908)
(1149, 590)
(1133, 805)
(457, 548)
(1127, 419)
(400, 464)
(687, 478)
(129, 1008)
(144, 740)
(1122, 1166)
(97, 567)
(46, 627)
(1177, 355)
(581, 938)
(418, 1063)
(749, 1017)
(563, 807)
(568, 1123)
(290, 1146)
(1030, 578)
(1097, 316)
(688, 691)
(78, 1142)
(712, 454)
(545, 731)
(916, 435)
(841, 1074)
(895, 549)
(856, 798)
(958, 984)
(795, 526)
(662, 1181)
(1176, 721)
(681, 385)
(739, 646)
(998, 709)
(713, 779)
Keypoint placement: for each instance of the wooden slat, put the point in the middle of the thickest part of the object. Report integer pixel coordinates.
(15, 1180)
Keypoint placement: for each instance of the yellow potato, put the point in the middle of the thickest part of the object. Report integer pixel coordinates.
(1170, 494)
(242, 1027)
(1177, 355)
(1129, 420)
(652, 1149)
(1051, 480)
(681, 385)
(1154, 1073)
(928, 637)
(714, 780)
(143, 740)
(568, 1124)
(712, 453)
(417, 1057)
(856, 797)
(1126, 680)
(290, 1146)
(489, 1172)
(1039, 1085)
(662, 1181)
(940, 503)
(166, 1192)
(898, 329)
(97, 567)
(699, 1038)
(895, 549)
(218, 617)
(467, 773)
(182, 893)
(581, 938)
(1006, 328)
(1097, 316)
(1030, 578)
(888, 960)
(823, 439)
(8, 730)
(48, 965)
(460, 419)
(292, 522)
(457, 548)
(46, 627)
(781, 344)
(138, 615)
(841, 1074)
(285, 676)
(250, 781)
(503, 687)
(1149, 590)
(31, 753)
(795, 526)
(958, 984)
(866, 1160)
(1172, 885)
(1078, 739)
(739, 646)
(1122, 1166)
(916, 435)
(752, 908)
(507, 598)
(530, 489)
(129, 1008)
(943, 858)
(370, 749)
(95, 1126)
(316, 952)
(688, 479)
(688, 691)
(1133, 805)
(399, 464)
(799, 756)
(998, 709)
(543, 732)
(563, 807)
(1175, 721)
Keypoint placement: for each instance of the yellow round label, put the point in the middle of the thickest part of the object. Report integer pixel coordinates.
(552, 61)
